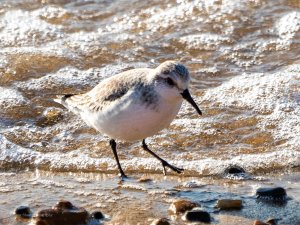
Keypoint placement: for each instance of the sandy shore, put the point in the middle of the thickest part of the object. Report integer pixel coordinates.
(136, 202)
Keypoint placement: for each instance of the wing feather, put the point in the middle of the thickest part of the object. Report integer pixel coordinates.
(106, 92)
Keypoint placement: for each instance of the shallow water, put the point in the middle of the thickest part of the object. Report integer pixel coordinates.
(134, 202)
(243, 56)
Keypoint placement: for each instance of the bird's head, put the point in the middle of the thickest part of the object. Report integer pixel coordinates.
(173, 80)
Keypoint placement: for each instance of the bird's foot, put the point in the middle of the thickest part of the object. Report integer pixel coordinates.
(174, 168)
(122, 176)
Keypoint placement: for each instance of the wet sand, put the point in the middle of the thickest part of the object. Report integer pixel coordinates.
(135, 202)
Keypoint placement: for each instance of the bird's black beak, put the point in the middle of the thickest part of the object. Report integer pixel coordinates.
(187, 96)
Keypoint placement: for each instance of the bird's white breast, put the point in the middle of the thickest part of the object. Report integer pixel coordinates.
(130, 121)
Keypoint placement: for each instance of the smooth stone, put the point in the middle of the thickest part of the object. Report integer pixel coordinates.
(144, 180)
(258, 222)
(41, 223)
(268, 222)
(161, 221)
(197, 216)
(63, 213)
(234, 170)
(97, 215)
(275, 193)
(271, 221)
(23, 211)
(182, 205)
(62, 205)
(227, 204)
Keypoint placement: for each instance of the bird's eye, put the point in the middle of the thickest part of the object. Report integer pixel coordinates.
(166, 72)
(170, 81)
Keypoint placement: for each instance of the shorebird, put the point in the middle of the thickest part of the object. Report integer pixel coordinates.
(134, 105)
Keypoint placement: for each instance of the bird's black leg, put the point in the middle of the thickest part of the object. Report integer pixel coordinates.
(113, 146)
(163, 162)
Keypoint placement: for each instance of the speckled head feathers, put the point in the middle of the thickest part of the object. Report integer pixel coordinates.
(176, 67)
(175, 71)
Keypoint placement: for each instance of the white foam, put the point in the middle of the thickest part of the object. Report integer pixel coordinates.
(78, 161)
(72, 77)
(26, 28)
(288, 25)
(10, 99)
(204, 41)
(272, 96)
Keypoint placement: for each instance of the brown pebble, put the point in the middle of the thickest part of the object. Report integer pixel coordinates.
(227, 204)
(63, 205)
(144, 180)
(61, 214)
(258, 222)
(39, 222)
(181, 206)
(161, 221)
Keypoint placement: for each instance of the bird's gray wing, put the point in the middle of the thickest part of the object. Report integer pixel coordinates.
(106, 92)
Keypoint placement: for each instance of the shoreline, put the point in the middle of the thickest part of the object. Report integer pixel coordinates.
(135, 201)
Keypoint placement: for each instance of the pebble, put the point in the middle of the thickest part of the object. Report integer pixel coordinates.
(197, 216)
(64, 205)
(182, 205)
(228, 204)
(145, 180)
(24, 212)
(161, 221)
(234, 170)
(64, 212)
(273, 193)
(258, 222)
(268, 222)
(272, 221)
(97, 215)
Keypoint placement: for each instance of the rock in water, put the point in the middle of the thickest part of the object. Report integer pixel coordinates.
(228, 204)
(197, 216)
(24, 212)
(258, 222)
(182, 205)
(234, 170)
(64, 205)
(97, 215)
(63, 213)
(275, 193)
(271, 221)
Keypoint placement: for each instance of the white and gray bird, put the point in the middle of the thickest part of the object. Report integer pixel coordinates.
(134, 105)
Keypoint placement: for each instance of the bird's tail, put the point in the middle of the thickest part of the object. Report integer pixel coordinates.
(61, 99)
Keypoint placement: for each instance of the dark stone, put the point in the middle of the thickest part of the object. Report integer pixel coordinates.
(61, 214)
(271, 221)
(276, 193)
(24, 212)
(197, 216)
(40, 222)
(234, 170)
(97, 215)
